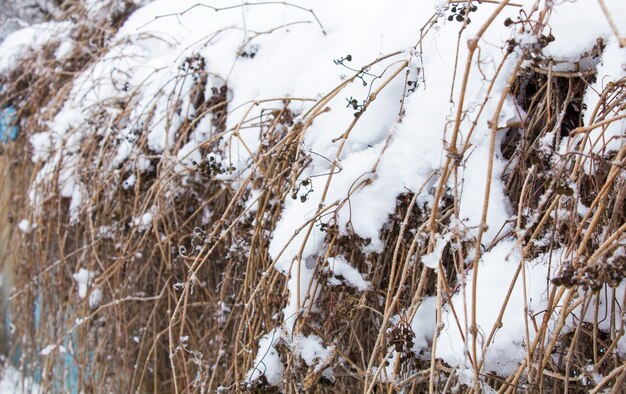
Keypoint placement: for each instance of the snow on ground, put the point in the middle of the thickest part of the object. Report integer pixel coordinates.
(404, 142)
(11, 382)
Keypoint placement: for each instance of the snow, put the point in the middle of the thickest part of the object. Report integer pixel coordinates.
(47, 350)
(129, 182)
(30, 38)
(95, 297)
(76, 202)
(496, 270)
(343, 272)
(83, 279)
(25, 226)
(467, 377)
(610, 69)
(42, 146)
(65, 48)
(306, 280)
(566, 21)
(313, 351)
(12, 381)
(431, 260)
(267, 361)
(423, 324)
(144, 222)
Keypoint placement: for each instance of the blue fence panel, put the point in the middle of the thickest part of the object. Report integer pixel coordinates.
(8, 124)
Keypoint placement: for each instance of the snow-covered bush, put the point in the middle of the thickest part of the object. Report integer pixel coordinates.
(325, 195)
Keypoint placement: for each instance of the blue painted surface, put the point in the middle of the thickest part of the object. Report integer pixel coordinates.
(8, 126)
(67, 368)
(9, 132)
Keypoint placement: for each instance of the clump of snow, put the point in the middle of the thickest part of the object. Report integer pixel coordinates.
(65, 48)
(144, 222)
(42, 146)
(497, 270)
(467, 378)
(577, 25)
(546, 143)
(30, 38)
(83, 279)
(431, 260)
(267, 362)
(343, 273)
(129, 182)
(143, 164)
(50, 348)
(76, 202)
(307, 280)
(313, 352)
(95, 297)
(25, 226)
(423, 324)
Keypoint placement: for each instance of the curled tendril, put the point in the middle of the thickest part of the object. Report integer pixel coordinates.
(198, 234)
(182, 250)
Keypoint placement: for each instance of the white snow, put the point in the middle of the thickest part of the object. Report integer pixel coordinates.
(313, 351)
(65, 48)
(431, 260)
(267, 361)
(50, 348)
(610, 69)
(83, 279)
(129, 182)
(30, 38)
(577, 25)
(95, 297)
(495, 274)
(423, 324)
(144, 222)
(25, 226)
(13, 381)
(343, 272)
